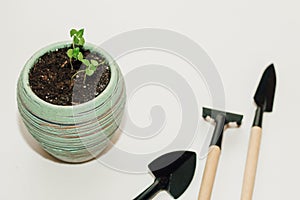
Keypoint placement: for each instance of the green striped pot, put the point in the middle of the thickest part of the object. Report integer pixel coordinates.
(72, 133)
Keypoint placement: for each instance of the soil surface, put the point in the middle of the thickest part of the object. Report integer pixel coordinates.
(51, 78)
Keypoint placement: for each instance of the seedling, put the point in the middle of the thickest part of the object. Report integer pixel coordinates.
(74, 53)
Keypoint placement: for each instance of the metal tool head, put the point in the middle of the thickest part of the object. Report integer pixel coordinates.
(221, 118)
(264, 95)
(229, 117)
(177, 168)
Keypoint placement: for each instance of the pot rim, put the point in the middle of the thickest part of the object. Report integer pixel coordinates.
(25, 77)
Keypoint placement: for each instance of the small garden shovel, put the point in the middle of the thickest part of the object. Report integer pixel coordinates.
(173, 173)
(264, 98)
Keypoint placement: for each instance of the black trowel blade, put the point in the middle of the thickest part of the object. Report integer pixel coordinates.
(264, 95)
(179, 167)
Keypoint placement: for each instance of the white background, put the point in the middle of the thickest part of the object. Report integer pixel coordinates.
(241, 37)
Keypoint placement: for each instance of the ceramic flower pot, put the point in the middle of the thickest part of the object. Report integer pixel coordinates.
(72, 133)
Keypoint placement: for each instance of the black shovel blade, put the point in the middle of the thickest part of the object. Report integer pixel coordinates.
(178, 167)
(264, 96)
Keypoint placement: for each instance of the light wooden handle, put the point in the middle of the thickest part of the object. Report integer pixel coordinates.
(209, 173)
(251, 163)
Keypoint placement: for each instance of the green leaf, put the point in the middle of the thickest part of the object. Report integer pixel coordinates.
(89, 72)
(76, 40)
(81, 41)
(80, 33)
(93, 67)
(70, 53)
(95, 63)
(73, 32)
(80, 56)
(85, 62)
(76, 51)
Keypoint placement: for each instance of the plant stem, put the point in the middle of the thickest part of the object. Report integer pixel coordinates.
(77, 73)
(71, 64)
(84, 78)
(103, 62)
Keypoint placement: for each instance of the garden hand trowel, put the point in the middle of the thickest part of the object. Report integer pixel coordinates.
(173, 172)
(264, 98)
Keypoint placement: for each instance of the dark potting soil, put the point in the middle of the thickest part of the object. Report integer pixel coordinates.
(51, 78)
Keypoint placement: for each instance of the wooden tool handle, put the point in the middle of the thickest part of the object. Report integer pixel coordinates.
(209, 173)
(251, 163)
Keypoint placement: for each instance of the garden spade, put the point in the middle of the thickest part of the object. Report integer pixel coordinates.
(264, 98)
(173, 173)
(221, 119)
